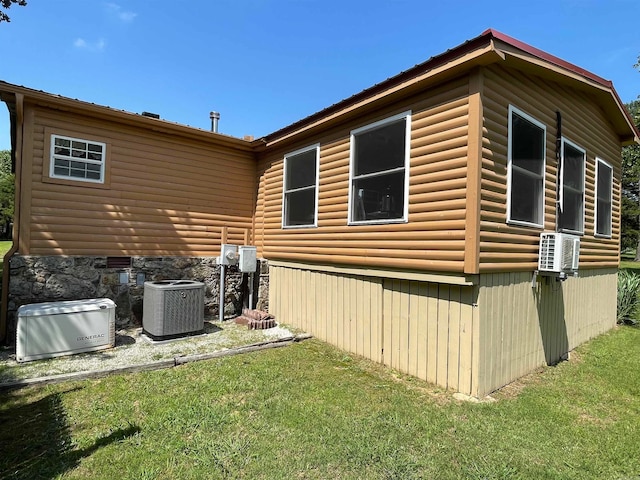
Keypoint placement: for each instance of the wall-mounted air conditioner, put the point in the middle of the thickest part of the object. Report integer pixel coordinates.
(52, 329)
(173, 308)
(559, 253)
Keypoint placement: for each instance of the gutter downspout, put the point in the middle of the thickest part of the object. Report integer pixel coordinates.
(17, 147)
(559, 168)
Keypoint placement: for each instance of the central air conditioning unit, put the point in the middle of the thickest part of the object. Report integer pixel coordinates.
(559, 253)
(173, 308)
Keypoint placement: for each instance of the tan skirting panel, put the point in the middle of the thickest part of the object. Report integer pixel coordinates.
(421, 328)
(522, 328)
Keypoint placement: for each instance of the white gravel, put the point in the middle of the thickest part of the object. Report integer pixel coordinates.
(133, 348)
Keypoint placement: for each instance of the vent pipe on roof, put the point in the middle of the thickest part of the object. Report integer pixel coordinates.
(215, 117)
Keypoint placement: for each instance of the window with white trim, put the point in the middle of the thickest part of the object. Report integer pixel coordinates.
(604, 197)
(571, 195)
(77, 159)
(526, 166)
(300, 197)
(379, 171)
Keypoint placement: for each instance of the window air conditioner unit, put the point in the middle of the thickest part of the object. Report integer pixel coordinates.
(173, 308)
(559, 253)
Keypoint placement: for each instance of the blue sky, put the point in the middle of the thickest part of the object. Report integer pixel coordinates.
(264, 64)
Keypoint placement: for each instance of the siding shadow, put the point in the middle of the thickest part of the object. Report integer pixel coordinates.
(552, 319)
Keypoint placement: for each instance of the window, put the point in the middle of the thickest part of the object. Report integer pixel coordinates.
(379, 171)
(300, 202)
(604, 194)
(75, 159)
(571, 195)
(526, 166)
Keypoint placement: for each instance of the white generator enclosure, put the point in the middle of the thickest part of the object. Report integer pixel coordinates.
(53, 329)
(173, 308)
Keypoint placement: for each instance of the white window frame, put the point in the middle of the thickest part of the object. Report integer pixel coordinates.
(54, 156)
(596, 196)
(542, 126)
(406, 116)
(315, 186)
(564, 141)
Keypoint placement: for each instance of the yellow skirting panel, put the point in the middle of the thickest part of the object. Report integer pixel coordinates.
(523, 327)
(420, 328)
(469, 338)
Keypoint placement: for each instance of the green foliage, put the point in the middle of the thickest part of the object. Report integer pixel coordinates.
(6, 4)
(7, 188)
(630, 187)
(628, 296)
(311, 411)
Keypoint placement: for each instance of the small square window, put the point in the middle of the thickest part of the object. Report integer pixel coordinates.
(77, 159)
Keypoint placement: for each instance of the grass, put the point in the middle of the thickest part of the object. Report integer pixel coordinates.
(310, 411)
(630, 265)
(5, 245)
(633, 267)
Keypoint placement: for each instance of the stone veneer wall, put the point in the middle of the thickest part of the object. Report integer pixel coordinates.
(36, 279)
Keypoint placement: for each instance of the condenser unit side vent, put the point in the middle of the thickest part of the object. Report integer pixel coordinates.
(173, 308)
(559, 253)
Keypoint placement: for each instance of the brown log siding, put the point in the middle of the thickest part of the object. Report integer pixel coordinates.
(164, 196)
(504, 247)
(433, 238)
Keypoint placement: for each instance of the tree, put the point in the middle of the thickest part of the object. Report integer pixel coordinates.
(630, 218)
(631, 189)
(7, 192)
(6, 4)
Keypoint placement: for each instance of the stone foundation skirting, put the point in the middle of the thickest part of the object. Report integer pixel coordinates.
(35, 279)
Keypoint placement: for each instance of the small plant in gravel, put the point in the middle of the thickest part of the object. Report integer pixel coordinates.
(628, 298)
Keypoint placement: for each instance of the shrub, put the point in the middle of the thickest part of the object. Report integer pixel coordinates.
(628, 299)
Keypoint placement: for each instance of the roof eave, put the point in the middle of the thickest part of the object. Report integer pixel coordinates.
(437, 70)
(61, 103)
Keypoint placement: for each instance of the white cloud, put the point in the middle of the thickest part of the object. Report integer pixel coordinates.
(124, 16)
(92, 47)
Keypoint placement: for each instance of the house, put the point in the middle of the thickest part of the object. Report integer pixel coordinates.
(402, 223)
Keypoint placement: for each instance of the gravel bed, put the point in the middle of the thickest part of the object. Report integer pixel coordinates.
(133, 348)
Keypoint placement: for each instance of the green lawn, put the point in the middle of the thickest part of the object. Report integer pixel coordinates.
(630, 265)
(310, 411)
(4, 248)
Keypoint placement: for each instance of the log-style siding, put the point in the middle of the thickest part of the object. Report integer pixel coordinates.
(505, 247)
(164, 195)
(443, 232)
(433, 239)
(524, 327)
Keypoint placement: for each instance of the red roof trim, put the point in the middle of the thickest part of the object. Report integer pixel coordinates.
(536, 52)
(441, 59)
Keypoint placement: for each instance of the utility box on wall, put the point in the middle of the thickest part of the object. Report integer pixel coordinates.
(247, 259)
(228, 254)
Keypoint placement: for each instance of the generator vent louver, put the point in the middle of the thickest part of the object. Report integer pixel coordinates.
(173, 308)
(559, 253)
